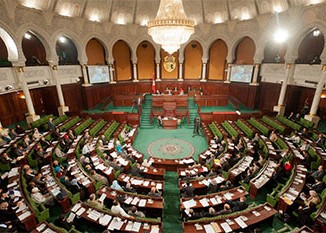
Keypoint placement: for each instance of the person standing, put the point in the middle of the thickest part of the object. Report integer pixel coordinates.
(139, 104)
(196, 126)
(134, 104)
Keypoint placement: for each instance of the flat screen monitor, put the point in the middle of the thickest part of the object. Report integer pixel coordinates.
(98, 74)
(241, 73)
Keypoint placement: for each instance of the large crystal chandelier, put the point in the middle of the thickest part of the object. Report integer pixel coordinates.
(171, 27)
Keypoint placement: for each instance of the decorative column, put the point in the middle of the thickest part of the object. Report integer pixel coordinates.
(135, 74)
(203, 73)
(85, 75)
(228, 73)
(158, 71)
(289, 71)
(111, 69)
(31, 112)
(255, 77)
(314, 106)
(180, 72)
(62, 108)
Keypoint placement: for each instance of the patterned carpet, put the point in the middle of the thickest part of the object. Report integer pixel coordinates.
(171, 148)
(178, 143)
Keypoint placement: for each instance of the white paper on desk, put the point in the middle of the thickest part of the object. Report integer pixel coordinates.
(49, 149)
(76, 207)
(24, 215)
(241, 223)
(86, 182)
(41, 227)
(146, 183)
(136, 226)
(11, 184)
(213, 200)
(114, 154)
(136, 182)
(70, 151)
(94, 215)
(129, 226)
(4, 175)
(208, 228)
(116, 223)
(100, 167)
(190, 203)
(105, 219)
(226, 227)
(159, 186)
(135, 201)
(142, 203)
(126, 179)
(182, 173)
(71, 217)
(155, 229)
(102, 198)
(206, 182)
(128, 200)
(80, 211)
(228, 196)
(204, 202)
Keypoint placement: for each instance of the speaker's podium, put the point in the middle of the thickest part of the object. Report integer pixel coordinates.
(170, 123)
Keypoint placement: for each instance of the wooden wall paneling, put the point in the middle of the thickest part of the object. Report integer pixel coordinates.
(12, 108)
(268, 95)
(73, 96)
(296, 96)
(45, 100)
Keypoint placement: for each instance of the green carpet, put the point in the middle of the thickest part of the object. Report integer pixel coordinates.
(146, 136)
(171, 221)
(227, 108)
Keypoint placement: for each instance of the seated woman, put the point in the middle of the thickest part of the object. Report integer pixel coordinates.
(115, 185)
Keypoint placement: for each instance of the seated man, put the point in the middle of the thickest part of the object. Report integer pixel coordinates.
(238, 205)
(159, 121)
(99, 177)
(188, 190)
(39, 198)
(136, 213)
(154, 193)
(92, 201)
(117, 209)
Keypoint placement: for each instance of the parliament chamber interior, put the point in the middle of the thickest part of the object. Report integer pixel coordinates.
(162, 116)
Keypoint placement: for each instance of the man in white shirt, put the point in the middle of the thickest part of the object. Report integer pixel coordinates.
(87, 149)
(117, 209)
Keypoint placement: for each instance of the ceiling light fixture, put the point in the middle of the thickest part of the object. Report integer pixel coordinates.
(171, 27)
(280, 36)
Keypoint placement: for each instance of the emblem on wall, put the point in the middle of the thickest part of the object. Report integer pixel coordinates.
(169, 63)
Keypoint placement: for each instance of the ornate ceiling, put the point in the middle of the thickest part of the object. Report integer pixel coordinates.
(141, 11)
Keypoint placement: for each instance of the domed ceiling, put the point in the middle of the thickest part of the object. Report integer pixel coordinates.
(141, 11)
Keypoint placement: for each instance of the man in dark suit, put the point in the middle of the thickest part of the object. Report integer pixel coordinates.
(51, 124)
(196, 126)
(188, 190)
(238, 205)
(320, 141)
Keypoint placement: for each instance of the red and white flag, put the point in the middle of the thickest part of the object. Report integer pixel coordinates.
(153, 84)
